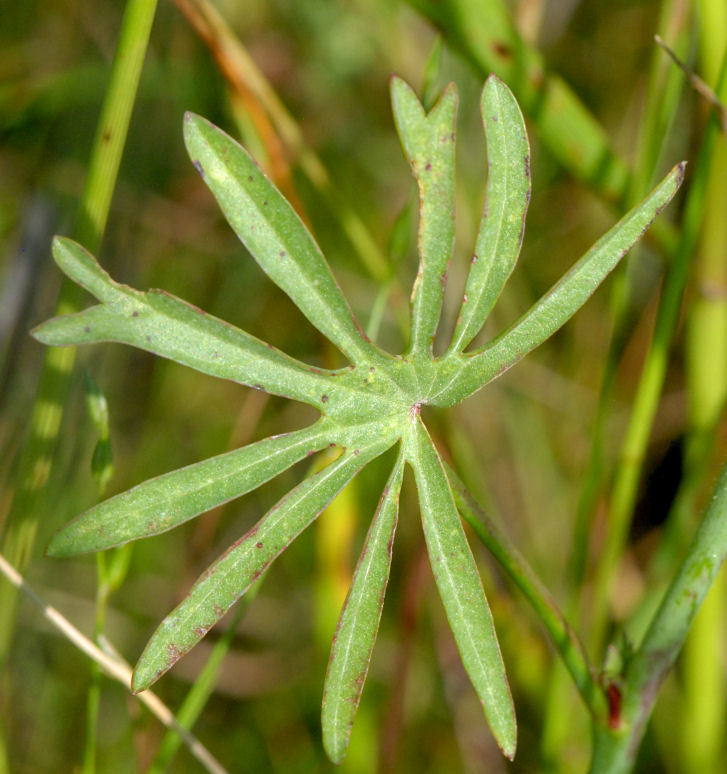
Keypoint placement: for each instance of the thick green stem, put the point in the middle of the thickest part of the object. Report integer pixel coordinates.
(705, 707)
(38, 450)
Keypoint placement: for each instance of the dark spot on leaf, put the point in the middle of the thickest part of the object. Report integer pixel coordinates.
(250, 178)
(198, 166)
(134, 314)
(474, 259)
(265, 204)
(372, 369)
(428, 167)
(86, 329)
(107, 135)
(215, 354)
(464, 298)
(527, 166)
(200, 631)
(148, 339)
(502, 49)
(324, 398)
(258, 387)
(258, 545)
(282, 253)
(355, 451)
(219, 612)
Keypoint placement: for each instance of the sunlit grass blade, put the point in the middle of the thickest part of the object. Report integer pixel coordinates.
(224, 582)
(163, 503)
(503, 218)
(167, 326)
(428, 140)
(359, 623)
(461, 589)
(561, 302)
(273, 233)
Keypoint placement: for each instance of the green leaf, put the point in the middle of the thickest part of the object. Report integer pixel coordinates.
(461, 589)
(503, 218)
(428, 141)
(165, 325)
(358, 624)
(231, 575)
(469, 373)
(273, 233)
(366, 408)
(163, 503)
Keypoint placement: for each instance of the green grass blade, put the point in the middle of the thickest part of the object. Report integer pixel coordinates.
(232, 574)
(359, 623)
(273, 233)
(649, 666)
(461, 589)
(563, 300)
(167, 501)
(428, 141)
(37, 453)
(160, 323)
(506, 204)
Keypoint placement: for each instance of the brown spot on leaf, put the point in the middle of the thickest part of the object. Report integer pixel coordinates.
(258, 545)
(502, 49)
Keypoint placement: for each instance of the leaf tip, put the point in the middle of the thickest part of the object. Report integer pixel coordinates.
(60, 546)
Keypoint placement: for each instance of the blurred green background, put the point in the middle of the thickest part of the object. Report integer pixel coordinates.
(522, 446)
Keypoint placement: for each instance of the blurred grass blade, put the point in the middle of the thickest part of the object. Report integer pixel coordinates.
(503, 218)
(163, 503)
(160, 323)
(461, 589)
(273, 233)
(564, 299)
(102, 462)
(428, 141)
(359, 623)
(651, 381)
(222, 584)
(37, 453)
(486, 35)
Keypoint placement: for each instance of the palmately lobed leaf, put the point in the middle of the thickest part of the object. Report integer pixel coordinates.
(365, 408)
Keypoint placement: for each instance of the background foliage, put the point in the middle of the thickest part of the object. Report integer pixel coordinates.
(523, 448)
